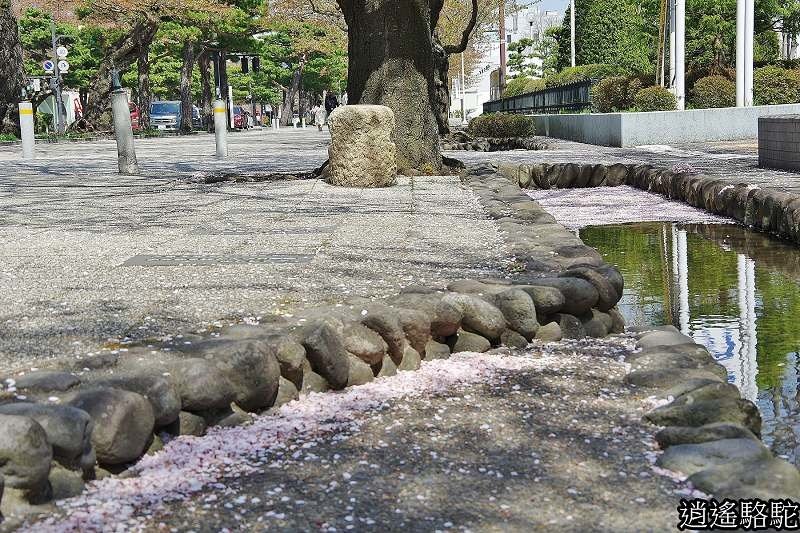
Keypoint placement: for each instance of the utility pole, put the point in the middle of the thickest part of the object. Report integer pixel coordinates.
(502, 77)
(58, 118)
(744, 52)
(672, 45)
(463, 116)
(572, 31)
(680, 53)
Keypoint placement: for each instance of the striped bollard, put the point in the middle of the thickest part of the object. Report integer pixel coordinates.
(26, 129)
(221, 128)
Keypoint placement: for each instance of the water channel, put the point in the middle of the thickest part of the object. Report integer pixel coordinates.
(733, 290)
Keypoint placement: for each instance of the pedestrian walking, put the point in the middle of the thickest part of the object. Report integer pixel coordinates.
(330, 103)
(319, 116)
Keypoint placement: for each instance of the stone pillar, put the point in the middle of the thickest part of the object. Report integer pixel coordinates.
(126, 152)
(362, 153)
(26, 129)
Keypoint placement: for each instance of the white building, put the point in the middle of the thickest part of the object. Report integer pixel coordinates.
(529, 22)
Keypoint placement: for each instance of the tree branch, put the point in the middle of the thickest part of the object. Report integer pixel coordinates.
(460, 47)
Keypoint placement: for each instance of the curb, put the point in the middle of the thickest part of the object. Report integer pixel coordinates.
(767, 210)
(710, 435)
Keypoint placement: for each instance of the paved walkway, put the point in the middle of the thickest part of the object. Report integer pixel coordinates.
(90, 257)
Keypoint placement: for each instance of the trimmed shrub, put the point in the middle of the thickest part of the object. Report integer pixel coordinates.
(516, 86)
(775, 85)
(713, 91)
(584, 72)
(614, 94)
(534, 85)
(655, 98)
(501, 125)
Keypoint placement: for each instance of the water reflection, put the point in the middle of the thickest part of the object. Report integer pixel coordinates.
(733, 290)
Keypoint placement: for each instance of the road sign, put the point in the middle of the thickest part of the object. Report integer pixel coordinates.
(48, 65)
(63, 65)
(62, 52)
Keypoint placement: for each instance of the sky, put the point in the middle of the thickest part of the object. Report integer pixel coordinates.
(554, 5)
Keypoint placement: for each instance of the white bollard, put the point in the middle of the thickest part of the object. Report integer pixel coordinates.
(220, 128)
(26, 129)
(126, 153)
(303, 122)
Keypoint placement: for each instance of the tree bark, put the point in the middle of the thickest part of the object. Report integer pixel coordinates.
(390, 49)
(206, 91)
(12, 71)
(291, 92)
(441, 61)
(144, 94)
(186, 87)
(122, 55)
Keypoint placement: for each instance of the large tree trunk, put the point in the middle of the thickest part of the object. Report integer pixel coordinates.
(441, 62)
(204, 64)
(390, 60)
(186, 87)
(291, 93)
(121, 55)
(12, 71)
(145, 95)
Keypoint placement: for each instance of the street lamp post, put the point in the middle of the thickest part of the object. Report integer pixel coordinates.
(744, 52)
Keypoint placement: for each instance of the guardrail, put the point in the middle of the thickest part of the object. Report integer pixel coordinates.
(570, 97)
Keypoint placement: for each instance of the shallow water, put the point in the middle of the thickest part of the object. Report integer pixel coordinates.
(733, 290)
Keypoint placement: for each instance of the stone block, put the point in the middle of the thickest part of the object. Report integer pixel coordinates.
(362, 153)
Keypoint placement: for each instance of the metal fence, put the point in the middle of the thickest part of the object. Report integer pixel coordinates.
(571, 97)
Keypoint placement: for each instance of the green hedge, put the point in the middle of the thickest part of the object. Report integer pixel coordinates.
(614, 94)
(655, 98)
(775, 85)
(516, 86)
(501, 125)
(523, 85)
(713, 91)
(584, 72)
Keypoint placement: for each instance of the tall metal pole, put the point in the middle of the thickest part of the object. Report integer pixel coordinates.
(572, 31)
(463, 116)
(502, 78)
(672, 44)
(749, 30)
(740, 63)
(680, 53)
(59, 103)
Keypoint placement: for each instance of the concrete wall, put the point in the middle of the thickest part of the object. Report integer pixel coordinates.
(779, 142)
(660, 127)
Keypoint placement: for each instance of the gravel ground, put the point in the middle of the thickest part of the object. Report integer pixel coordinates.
(545, 440)
(90, 261)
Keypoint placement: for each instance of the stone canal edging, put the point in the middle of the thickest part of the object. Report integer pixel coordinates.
(96, 416)
(710, 434)
(766, 210)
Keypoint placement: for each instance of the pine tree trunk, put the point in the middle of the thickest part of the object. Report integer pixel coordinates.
(390, 62)
(204, 64)
(12, 71)
(122, 55)
(145, 95)
(291, 93)
(186, 87)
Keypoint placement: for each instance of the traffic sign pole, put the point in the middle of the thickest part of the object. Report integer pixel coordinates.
(58, 116)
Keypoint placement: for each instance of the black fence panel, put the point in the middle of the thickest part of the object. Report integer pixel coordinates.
(570, 97)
